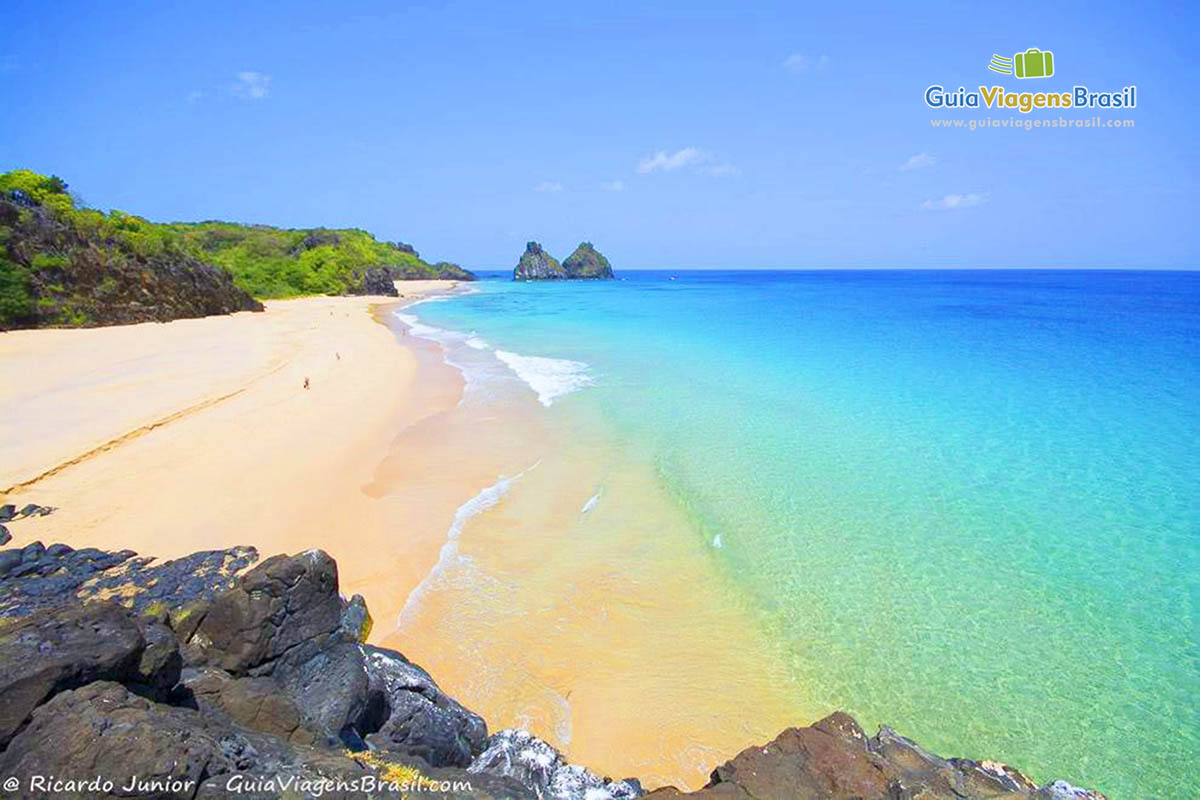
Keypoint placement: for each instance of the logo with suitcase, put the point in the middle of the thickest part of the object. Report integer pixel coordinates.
(1033, 63)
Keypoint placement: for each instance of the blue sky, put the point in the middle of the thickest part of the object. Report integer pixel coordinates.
(673, 135)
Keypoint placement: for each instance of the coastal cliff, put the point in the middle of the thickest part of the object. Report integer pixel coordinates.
(214, 673)
(66, 265)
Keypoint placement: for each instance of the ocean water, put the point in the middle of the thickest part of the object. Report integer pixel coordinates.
(966, 504)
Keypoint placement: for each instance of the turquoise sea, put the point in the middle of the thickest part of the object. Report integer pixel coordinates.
(966, 502)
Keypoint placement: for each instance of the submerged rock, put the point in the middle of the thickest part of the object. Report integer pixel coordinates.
(537, 265)
(587, 262)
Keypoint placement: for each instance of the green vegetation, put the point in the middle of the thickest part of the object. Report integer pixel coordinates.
(65, 264)
(274, 262)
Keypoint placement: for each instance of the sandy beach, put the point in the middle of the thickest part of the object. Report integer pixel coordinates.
(200, 434)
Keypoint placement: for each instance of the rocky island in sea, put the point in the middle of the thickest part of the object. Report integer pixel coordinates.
(215, 673)
(586, 263)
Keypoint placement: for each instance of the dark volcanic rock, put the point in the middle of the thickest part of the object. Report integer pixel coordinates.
(381, 280)
(89, 280)
(60, 649)
(7, 512)
(421, 719)
(587, 262)
(59, 574)
(254, 703)
(377, 280)
(279, 687)
(160, 664)
(283, 603)
(834, 759)
(120, 736)
(34, 510)
(5, 536)
(356, 619)
(332, 692)
(537, 265)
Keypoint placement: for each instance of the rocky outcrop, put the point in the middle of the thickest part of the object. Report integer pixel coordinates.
(834, 759)
(377, 280)
(537, 265)
(587, 263)
(381, 280)
(421, 720)
(206, 669)
(208, 673)
(285, 605)
(38, 577)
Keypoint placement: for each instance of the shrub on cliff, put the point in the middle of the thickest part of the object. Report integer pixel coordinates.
(64, 265)
(274, 262)
(67, 265)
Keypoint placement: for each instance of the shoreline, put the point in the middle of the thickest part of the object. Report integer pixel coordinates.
(531, 563)
(204, 428)
(372, 463)
(563, 600)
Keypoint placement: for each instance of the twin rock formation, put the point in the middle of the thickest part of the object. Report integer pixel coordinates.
(207, 675)
(585, 263)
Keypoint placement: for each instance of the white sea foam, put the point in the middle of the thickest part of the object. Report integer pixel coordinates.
(477, 343)
(591, 503)
(418, 328)
(717, 543)
(481, 502)
(550, 378)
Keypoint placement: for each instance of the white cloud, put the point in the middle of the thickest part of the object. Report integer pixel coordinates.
(548, 186)
(953, 201)
(614, 186)
(252, 85)
(919, 161)
(798, 63)
(665, 162)
(691, 157)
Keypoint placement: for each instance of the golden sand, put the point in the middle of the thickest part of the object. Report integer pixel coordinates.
(611, 633)
(199, 434)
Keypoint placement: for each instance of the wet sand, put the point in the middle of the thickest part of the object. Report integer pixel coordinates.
(610, 632)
